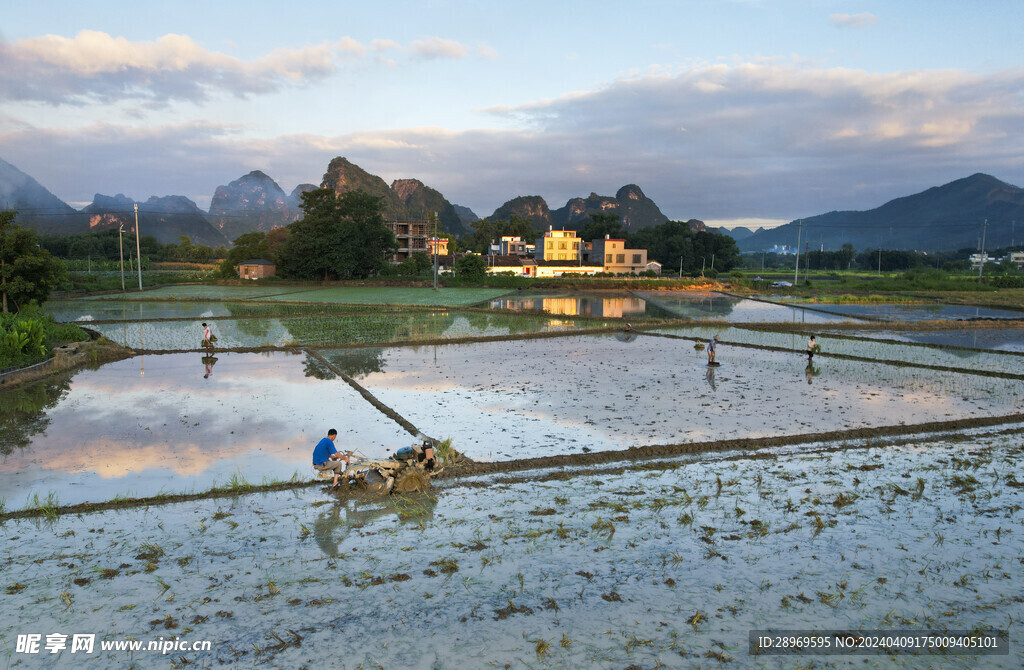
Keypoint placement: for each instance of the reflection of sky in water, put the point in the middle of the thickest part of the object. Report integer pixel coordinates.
(717, 306)
(154, 423)
(97, 310)
(505, 400)
(899, 312)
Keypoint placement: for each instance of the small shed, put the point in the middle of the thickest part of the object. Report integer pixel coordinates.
(256, 268)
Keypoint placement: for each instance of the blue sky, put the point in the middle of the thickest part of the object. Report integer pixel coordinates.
(720, 110)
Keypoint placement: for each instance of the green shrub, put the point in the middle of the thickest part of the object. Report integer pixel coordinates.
(26, 337)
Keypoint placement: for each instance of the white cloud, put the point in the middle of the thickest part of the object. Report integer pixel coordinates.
(853, 20)
(95, 67)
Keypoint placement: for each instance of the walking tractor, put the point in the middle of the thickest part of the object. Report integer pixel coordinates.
(409, 469)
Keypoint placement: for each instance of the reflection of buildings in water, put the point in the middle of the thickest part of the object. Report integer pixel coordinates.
(330, 529)
(568, 306)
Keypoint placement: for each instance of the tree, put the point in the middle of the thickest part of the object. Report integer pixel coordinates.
(423, 261)
(246, 247)
(486, 231)
(600, 225)
(471, 267)
(337, 236)
(27, 271)
(675, 243)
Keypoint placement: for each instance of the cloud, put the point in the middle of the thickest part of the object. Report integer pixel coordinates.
(436, 48)
(775, 141)
(853, 20)
(95, 67)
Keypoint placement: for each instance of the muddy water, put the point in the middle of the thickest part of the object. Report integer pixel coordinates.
(178, 423)
(668, 567)
(502, 400)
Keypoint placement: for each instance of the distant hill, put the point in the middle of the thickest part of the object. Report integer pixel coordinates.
(405, 199)
(166, 218)
(635, 209)
(533, 208)
(738, 233)
(251, 203)
(467, 215)
(38, 209)
(941, 218)
(422, 201)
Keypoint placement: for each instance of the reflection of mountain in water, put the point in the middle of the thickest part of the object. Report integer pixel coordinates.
(24, 412)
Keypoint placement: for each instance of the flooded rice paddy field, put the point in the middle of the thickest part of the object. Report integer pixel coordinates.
(343, 328)
(158, 424)
(700, 306)
(145, 310)
(171, 423)
(338, 294)
(995, 339)
(504, 400)
(917, 312)
(648, 564)
(664, 564)
(864, 348)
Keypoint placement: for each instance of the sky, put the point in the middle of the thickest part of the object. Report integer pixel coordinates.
(730, 111)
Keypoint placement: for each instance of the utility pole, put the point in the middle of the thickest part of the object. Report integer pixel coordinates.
(435, 251)
(879, 261)
(680, 267)
(796, 272)
(138, 251)
(981, 264)
(120, 248)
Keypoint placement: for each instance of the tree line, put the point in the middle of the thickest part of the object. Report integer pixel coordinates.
(879, 260)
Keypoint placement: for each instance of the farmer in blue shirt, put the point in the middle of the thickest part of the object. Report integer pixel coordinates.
(328, 459)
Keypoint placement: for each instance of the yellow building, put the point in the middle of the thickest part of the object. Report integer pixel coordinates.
(558, 245)
(616, 258)
(441, 244)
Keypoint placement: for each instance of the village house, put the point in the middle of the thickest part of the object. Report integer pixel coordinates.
(412, 236)
(437, 245)
(256, 268)
(616, 258)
